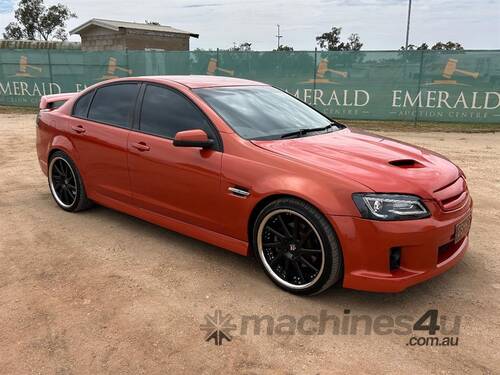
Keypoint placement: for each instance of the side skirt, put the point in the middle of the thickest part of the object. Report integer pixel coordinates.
(202, 234)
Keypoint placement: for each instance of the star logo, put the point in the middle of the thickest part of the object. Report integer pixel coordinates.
(218, 327)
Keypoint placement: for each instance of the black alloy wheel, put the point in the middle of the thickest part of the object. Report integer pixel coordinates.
(66, 183)
(297, 247)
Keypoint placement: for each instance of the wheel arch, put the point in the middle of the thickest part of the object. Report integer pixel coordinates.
(53, 151)
(259, 206)
(63, 144)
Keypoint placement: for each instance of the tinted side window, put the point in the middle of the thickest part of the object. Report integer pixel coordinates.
(81, 107)
(113, 104)
(165, 112)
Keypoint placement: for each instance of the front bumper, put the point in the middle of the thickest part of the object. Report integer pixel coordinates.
(426, 246)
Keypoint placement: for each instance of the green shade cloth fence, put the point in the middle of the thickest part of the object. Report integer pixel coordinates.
(438, 86)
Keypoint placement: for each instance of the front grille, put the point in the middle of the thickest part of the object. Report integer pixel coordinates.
(452, 196)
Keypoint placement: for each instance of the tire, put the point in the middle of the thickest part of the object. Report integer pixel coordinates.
(65, 183)
(305, 261)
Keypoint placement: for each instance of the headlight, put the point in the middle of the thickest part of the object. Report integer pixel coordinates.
(390, 206)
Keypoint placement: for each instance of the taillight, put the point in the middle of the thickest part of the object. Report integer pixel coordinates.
(38, 116)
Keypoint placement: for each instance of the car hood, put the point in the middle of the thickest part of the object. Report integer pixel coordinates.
(381, 164)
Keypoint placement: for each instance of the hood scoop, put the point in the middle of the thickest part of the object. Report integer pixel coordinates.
(406, 163)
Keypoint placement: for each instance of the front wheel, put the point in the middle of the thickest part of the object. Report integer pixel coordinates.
(297, 247)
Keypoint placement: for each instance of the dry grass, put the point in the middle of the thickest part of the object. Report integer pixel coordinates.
(4, 109)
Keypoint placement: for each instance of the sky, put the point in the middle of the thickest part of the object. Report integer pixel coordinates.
(381, 24)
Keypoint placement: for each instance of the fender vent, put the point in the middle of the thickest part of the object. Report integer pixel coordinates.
(406, 163)
(239, 191)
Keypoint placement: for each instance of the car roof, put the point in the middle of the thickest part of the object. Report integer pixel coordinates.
(200, 81)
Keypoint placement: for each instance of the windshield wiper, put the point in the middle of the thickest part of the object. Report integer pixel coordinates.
(301, 132)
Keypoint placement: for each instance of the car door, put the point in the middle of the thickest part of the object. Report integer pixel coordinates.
(179, 182)
(99, 130)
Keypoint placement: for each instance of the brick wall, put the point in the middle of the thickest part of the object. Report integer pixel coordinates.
(99, 39)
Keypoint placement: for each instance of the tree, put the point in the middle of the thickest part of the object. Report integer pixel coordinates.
(34, 21)
(413, 47)
(284, 48)
(450, 46)
(330, 41)
(243, 47)
(439, 46)
(204, 50)
(354, 43)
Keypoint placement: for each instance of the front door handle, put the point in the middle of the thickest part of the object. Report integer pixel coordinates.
(141, 146)
(78, 129)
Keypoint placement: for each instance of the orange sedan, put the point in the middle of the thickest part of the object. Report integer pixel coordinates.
(247, 167)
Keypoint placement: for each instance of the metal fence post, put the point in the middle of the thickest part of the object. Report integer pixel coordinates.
(126, 59)
(419, 85)
(51, 77)
(314, 70)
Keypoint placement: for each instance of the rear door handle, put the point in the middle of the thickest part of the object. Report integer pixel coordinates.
(78, 129)
(141, 146)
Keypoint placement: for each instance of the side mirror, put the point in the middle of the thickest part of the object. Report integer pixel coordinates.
(193, 138)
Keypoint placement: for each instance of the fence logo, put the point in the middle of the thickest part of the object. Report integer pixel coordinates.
(213, 68)
(450, 69)
(324, 74)
(25, 69)
(457, 101)
(218, 327)
(112, 68)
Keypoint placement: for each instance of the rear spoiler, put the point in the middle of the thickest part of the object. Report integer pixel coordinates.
(49, 102)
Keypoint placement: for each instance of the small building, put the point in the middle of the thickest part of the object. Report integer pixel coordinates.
(102, 35)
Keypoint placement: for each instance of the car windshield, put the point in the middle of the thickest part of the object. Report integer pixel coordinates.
(264, 112)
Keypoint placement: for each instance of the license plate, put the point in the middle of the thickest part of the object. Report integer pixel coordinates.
(462, 228)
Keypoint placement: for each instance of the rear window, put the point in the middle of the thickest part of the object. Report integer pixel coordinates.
(114, 104)
(81, 108)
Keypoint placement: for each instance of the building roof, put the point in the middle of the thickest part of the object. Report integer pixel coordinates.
(117, 25)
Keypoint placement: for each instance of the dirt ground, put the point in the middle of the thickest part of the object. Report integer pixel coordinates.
(102, 292)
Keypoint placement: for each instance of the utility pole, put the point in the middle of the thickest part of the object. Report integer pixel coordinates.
(278, 36)
(408, 25)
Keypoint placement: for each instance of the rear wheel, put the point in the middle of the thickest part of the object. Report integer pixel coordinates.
(297, 247)
(66, 183)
